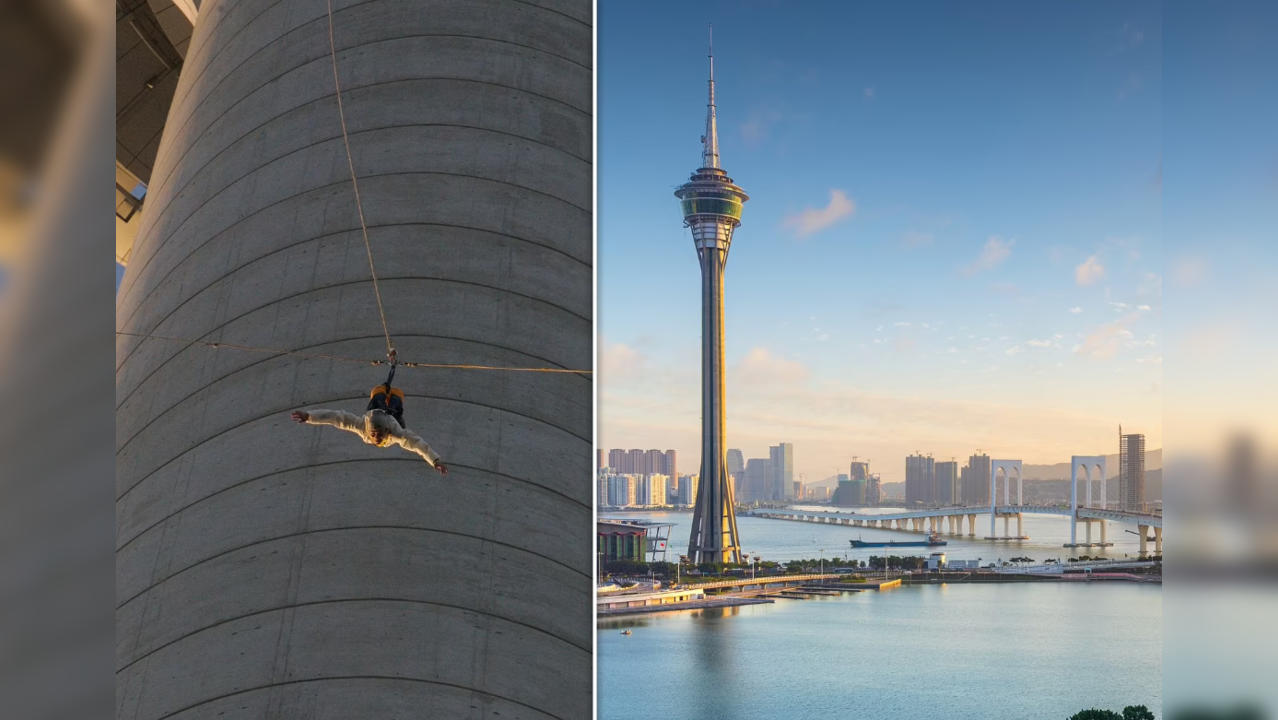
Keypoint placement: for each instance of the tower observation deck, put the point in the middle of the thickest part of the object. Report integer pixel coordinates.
(711, 205)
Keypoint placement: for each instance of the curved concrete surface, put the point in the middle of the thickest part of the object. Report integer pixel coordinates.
(270, 570)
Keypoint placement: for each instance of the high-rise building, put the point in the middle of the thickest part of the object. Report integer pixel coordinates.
(642, 498)
(859, 470)
(798, 490)
(711, 206)
(654, 461)
(658, 489)
(671, 467)
(650, 490)
(602, 489)
(622, 490)
(617, 460)
(758, 480)
(1131, 471)
(849, 492)
(634, 461)
(920, 474)
(782, 459)
(736, 462)
(874, 490)
(947, 490)
(974, 486)
(610, 490)
(687, 494)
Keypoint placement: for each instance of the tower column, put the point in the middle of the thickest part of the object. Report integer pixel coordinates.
(711, 206)
(252, 236)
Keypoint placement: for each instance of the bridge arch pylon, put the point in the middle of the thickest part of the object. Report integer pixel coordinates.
(1088, 463)
(1007, 466)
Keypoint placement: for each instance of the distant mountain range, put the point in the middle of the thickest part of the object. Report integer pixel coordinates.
(1060, 471)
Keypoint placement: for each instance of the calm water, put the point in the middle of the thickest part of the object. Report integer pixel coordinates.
(1022, 651)
(783, 540)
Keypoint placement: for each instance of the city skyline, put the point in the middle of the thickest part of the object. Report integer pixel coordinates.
(1013, 307)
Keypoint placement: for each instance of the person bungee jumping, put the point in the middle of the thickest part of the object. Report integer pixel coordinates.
(381, 425)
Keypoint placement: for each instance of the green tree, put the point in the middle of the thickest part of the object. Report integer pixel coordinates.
(1131, 712)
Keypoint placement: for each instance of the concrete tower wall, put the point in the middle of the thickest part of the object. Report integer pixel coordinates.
(270, 570)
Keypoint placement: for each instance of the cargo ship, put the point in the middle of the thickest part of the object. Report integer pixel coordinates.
(931, 541)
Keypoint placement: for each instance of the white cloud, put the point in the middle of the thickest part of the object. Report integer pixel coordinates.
(619, 361)
(1015, 350)
(995, 251)
(1108, 339)
(1090, 272)
(811, 220)
(1076, 310)
(869, 93)
(761, 367)
(1143, 307)
(1053, 341)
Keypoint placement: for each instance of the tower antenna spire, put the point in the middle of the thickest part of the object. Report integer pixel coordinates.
(710, 141)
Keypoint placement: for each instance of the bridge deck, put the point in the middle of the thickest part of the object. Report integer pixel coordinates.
(1083, 513)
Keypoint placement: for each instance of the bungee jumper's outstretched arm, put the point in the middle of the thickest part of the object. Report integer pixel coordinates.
(339, 419)
(413, 443)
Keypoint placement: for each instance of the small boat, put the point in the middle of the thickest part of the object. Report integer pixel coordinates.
(625, 632)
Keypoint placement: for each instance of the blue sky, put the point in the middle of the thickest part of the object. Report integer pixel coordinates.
(954, 239)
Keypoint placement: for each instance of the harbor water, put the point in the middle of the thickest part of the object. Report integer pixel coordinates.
(1028, 651)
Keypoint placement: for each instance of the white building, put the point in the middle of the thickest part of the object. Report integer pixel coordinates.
(621, 490)
(687, 494)
(651, 490)
(602, 498)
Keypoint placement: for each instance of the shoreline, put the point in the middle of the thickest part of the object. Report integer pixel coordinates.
(794, 593)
